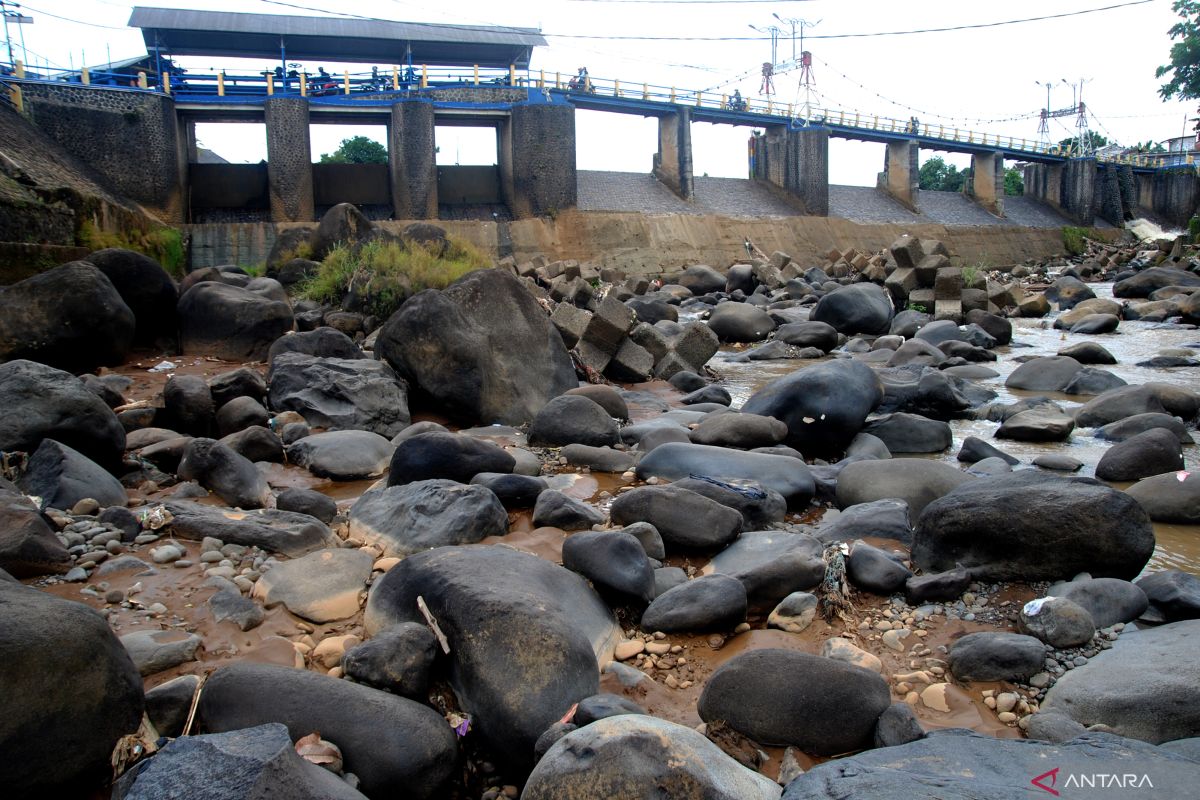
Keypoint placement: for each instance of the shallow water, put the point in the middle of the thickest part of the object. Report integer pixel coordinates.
(1178, 545)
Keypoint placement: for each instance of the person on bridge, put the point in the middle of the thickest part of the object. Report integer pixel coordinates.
(581, 82)
(737, 102)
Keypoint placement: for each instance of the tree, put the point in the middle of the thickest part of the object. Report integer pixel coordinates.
(357, 150)
(1185, 54)
(1095, 142)
(1014, 182)
(936, 175)
(1149, 146)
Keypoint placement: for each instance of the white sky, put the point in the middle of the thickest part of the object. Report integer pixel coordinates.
(983, 74)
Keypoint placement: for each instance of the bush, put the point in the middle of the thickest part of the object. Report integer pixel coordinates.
(1075, 240)
(164, 245)
(1194, 229)
(382, 275)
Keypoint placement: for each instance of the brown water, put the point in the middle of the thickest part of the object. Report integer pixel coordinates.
(1178, 545)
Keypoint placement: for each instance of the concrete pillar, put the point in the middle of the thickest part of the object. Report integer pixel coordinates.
(808, 169)
(189, 137)
(776, 152)
(412, 162)
(1079, 190)
(673, 161)
(1107, 203)
(289, 159)
(987, 181)
(541, 159)
(901, 175)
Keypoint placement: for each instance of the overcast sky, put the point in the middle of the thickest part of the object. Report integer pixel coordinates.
(983, 78)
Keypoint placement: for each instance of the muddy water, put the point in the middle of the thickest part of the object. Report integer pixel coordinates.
(1178, 545)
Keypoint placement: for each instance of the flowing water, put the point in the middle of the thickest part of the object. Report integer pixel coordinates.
(1178, 545)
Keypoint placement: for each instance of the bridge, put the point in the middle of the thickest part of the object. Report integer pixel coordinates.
(533, 112)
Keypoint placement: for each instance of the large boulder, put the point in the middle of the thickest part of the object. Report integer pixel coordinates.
(740, 322)
(342, 455)
(1117, 404)
(342, 224)
(323, 342)
(782, 697)
(614, 561)
(230, 476)
(1172, 594)
(683, 518)
(396, 747)
(339, 393)
(957, 764)
(1146, 281)
(1029, 526)
(857, 308)
(62, 476)
(482, 349)
(910, 433)
(675, 461)
(702, 279)
(996, 656)
(70, 317)
(637, 757)
(27, 545)
(745, 431)
(1172, 497)
(1107, 600)
(253, 763)
(524, 636)
(287, 532)
(416, 516)
(145, 287)
(771, 564)
(230, 322)
(709, 603)
(1046, 374)
(453, 456)
(1151, 452)
(573, 419)
(321, 586)
(1146, 687)
(823, 405)
(70, 693)
(916, 481)
(42, 402)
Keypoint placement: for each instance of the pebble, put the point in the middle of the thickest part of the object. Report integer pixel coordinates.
(1006, 702)
(934, 697)
(742, 628)
(165, 554)
(895, 638)
(85, 507)
(146, 538)
(220, 572)
(114, 596)
(75, 574)
(385, 564)
(330, 651)
(1007, 717)
(627, 650)
(211, 557)
(156, 609)
(658, 648)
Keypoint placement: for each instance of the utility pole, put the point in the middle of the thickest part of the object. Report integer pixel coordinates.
(11, 13)
(768, 69)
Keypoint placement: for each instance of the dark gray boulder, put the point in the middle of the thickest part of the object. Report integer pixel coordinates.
(771, 565)
(395, 746)
(948, 585)
(240, 382)
(230, 476)
(524, 636)
(683, 518)
(603, 706)
(28, 547)
(1116, 404)
(417, 516)
(573, 419)
(823, 405)
(1172, 594)
(145, 287)
(1151, 452)
(483, 349)
(68, 681)
(604, 396)
(701, 279)
(1088, 353)
(557, 510)
(307, 501)
(874, 570)
(1107, 600)
(1046, 374)
(760, 506)
(1173, 497)
(1096, 324)
(230, 322)
(615, 562)
(782, 697)
(323, 342)
(42, 402)
(910, 433)
(1032, 526)
(881, 519)
(339, 393)
(740, 322)
(898, 725)
(188, 405)
(993, 656)
(69, 317)
(1129, 427)
(256, 443)
(285, 532)
(397, 660)
(675, 461)
(820, 335)
(342, 455)
(1042, 424)
(240, 413)
(916, 481)
(975, 449)
(450, 456)
(1146, 281)
(1057, 621)
(709, 603)
(857, 308)
(1092, 381)
(743, 431)
(639, 757)
(62, 476)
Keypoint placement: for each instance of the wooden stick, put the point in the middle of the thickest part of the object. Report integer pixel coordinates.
(441, 637)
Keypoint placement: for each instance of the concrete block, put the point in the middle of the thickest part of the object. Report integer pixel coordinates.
(592, 357)
(652, 339)
(526, 270)
(790, 272)
(1001, 294)
(507, 264)
(923, 298)
(875, 273)
(539, 261)
(948, 284)
(769, 275)
(907, 251)
(935, 247)
(571, 322)
(928, 267)
(570, 268)
(780, 259)
(833, 255)
(900, 284)
(670, 364)
(637, 284)
(608, 326)
(611, 275)
(860, 262)
(549, 272)
(631, 364)
(535, 289)
(840, 270)
(696, 344)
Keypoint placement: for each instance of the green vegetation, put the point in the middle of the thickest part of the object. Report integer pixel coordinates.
(255, 270)
(1014, 182)
(1075, 240)
(916, 307)
(970, 274)
(384, 274)
(357, 150)
(1194, 228)
(164, 245)
(1094, 141)
(1184, 81)
(937, 176)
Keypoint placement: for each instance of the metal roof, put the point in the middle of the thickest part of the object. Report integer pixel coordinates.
(218, 33)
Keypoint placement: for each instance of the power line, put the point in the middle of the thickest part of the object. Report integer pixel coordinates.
(76, 21)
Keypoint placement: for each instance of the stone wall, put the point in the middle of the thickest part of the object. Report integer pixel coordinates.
(129, 137)
(673, 161)
(411, 155)
(542, 159)
(1079, 190)
(289, 159)
(1172, 195)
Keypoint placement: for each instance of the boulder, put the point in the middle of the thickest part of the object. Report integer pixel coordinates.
(1057, 621)
(307, 501)
(556, 510)
(1151, 452)
(229, 322)
(1042, 424)
(70, 317)
(740, 322)
(782, 697)
(1046, 374)
(1146, 281)
(638, 757)
(1097, 324)
(771, 565)
(255, 443)
(744, 431)
(342, 224)
(948, 585)
(188, 405)
(604, 396)
(993, 656)
(339, 393)
(761, 507)
(823, 405)
(71, 692)
(1172, 594)
(513, 491)
(1117, 404)
(1030, 526)
(615, 562)
(910, 433)
(155, 651)
(1088, 353)
(975, 449)
(820, 335)
(240, 413)
(42, 402)
(258, 762)
(285, 532)
(572, 419)
(702, 279)
(1092, 381)
(1146, 687)
(880, 519)
(858, 308)
(323, 342)
(683, 518)
(416, 516)
(1069, 292)
(145, 287)
(874, 570)
(524, 636)
(482, 349)
(226, 474)
(240, 382)
(1126, 428)
(320, 587)
(1172, 497)
(1107, 600)
(452, 456)
(342, 455)
(598, 459)
(395, 746)
(709, 603)
(28, 547)
(676, 461)
(916, 481)
(62, 476)
(397, 660)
